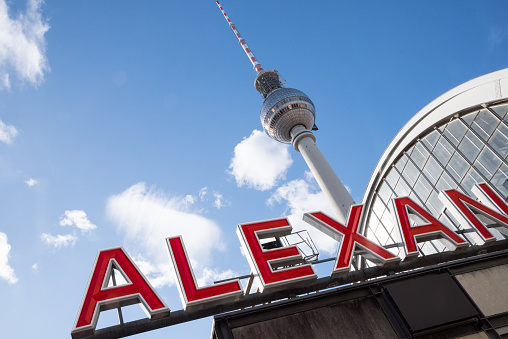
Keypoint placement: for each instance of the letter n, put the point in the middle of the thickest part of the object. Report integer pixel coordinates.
(416, 224)
(492, 213)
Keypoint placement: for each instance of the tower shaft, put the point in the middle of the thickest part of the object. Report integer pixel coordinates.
(338, 196)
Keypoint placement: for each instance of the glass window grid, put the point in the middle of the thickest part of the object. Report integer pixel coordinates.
(500, 110)
(486, 141)
(459, 176)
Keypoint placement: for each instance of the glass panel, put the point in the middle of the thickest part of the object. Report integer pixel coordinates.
(392, 177)
(470, 146)
(378, 207)
(395, 235)
(382, 235)
(468, 119)
(439, 245)
(451, 218)
(500, 181)
(427, 248)
(431, 139)
(422, 188)
(419, 156)
(422, 149)
(459, 166)
(445, 183)
(485, 123)
(434, 205)
(470, 180)
(443, 151)
(402, 189)
(416, 198)
(483, 171)
(433, 170)
(455, 130)
(385, 193)
(386, 221)
(490, 161)
(409, 151)
(499, 142)
(410, 173)
(500, 110)
(401, 163)
(373, 223)
(443, 218)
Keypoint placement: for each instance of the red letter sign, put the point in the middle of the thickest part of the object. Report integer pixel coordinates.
(268, 263)
(490, 198)
(194, 297)
(99, 296)
(462, 208)
(350, 241)
(432, 229)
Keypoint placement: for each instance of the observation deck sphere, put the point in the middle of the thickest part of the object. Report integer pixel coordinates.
(283, 109)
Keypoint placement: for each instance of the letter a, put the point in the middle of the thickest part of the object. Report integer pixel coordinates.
(100, 297)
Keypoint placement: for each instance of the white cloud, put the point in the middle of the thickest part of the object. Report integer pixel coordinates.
(210, 275)
(7, 132)
(159, 275)
(202, 193)
(77, 218)
(259, 161)
(22, 44)
(301, 197)
(59, 240)
(35, 267)
(6, 272)
(146, 217)
(189, 199)
(218, 202)
(31, 182)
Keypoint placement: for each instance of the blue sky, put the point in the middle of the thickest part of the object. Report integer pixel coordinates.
(125, 122)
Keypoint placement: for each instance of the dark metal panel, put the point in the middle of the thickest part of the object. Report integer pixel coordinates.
(296, 305)
(430, 300)
(357, 318)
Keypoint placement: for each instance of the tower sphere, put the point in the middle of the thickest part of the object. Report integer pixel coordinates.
(285, 108)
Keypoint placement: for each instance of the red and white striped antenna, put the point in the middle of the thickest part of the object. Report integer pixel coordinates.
(257, 66)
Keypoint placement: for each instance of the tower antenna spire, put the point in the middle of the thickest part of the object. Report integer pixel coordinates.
(257, 66)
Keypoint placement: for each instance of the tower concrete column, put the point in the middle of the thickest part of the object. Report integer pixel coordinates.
(304, 142)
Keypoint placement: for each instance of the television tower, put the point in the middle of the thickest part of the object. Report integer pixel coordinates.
(288, 116)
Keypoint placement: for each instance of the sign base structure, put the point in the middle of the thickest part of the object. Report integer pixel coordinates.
(460, 299)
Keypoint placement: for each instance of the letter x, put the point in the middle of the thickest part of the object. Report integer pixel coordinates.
(351, 241)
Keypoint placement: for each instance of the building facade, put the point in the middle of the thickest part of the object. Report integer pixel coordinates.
(458, 140)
